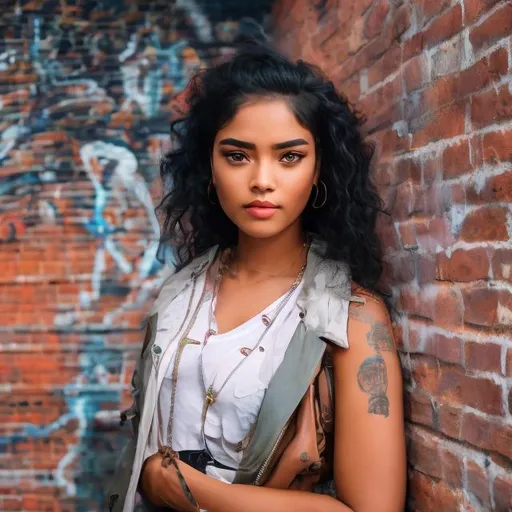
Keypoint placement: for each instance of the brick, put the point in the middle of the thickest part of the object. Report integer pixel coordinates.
(447, 122)
(487, 306)
(419, 409)
(424, 455)
(456, 388)
(380, 106)
(478, 483)
(399, 23)
(451, 464)
(406, 194)
(502, 264)
(441, 197)
(351, 89)
(387, 64)
(425, 269)
(415, 338)
(508, 363)
(407, 232)
(459, 85)
(444, 348)
(497, 147)
(403, 268)
(450, 420)
(498, 63)
(431, 171)
(387, 235)
(448, 57)
(473, 9)
(495, 189)
(490, 434)
(475, 143)
(485, 224)
(368, 54)
(457, 160)
(394, 144)
(443, 28)
(497, 26)
(482, 356)
(492, 106)
(503, 493)
(425, 373)
(442, 304)
(410, 301)
(416, 73)
(429, 495)
(434, 234)
(375, 20)
(412, 46)
(428, 9)
(463, 265)
(356, 39)
(406, 169)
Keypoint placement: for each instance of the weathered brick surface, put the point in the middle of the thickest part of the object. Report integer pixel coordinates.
(87, 89)
(434, 82)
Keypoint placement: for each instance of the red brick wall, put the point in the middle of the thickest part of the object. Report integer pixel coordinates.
(86, 92)
(434, 78)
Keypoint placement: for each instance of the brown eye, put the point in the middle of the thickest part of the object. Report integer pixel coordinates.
(291, 157)
(235, 157)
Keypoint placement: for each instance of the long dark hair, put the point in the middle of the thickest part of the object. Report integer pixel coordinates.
(193, 223)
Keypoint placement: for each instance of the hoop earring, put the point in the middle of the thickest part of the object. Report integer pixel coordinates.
(313, 204)
(208, 192)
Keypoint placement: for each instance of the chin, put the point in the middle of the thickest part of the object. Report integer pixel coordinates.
(263, 230)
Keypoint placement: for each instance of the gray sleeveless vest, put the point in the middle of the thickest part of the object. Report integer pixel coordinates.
(323, 303)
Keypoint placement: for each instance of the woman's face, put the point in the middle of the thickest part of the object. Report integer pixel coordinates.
(264, 166)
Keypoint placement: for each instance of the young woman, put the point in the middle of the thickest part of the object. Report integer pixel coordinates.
(273, 215)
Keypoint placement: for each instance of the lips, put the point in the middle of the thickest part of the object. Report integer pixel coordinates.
(261, 204)
(261, 209)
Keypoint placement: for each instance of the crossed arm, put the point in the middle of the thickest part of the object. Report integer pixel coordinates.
(369, 459)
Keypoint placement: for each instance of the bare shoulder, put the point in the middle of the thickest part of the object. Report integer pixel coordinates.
(368, 319)
(369, 306)
(371, 364)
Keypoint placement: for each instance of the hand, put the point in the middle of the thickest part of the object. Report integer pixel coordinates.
(161, 485)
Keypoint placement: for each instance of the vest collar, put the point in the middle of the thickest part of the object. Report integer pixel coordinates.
(323, 300)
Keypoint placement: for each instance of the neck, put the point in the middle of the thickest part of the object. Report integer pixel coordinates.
(270, 255)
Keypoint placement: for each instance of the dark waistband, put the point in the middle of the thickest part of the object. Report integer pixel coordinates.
(199, 459)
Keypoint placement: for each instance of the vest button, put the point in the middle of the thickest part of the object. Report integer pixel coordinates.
(157, 350)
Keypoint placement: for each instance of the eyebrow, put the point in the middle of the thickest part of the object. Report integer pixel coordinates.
(249, 145)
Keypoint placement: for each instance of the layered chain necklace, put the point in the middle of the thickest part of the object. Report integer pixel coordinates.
(211, 390)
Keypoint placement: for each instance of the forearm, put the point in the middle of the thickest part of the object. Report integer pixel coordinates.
(215, 496)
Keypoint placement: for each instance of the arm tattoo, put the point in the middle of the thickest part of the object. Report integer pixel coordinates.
(372, 376)
(380, 338)
(373, 379)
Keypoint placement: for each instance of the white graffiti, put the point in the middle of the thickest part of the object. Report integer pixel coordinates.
(124, 179)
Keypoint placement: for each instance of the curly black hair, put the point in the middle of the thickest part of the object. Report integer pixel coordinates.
(346, 222)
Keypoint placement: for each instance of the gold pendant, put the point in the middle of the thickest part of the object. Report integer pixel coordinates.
(210, 396)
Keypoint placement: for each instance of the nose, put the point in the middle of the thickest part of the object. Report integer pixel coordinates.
(263, 178)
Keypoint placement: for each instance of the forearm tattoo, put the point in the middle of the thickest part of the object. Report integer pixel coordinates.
(372, 376)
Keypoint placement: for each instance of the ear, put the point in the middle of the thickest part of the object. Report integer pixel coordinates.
(318, 164)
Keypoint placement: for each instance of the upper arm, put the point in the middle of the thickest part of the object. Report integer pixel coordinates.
(370, 461)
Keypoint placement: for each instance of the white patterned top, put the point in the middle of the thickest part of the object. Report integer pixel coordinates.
(229, 420)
